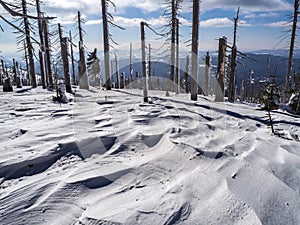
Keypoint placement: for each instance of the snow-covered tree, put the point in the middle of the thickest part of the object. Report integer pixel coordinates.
(93, 64)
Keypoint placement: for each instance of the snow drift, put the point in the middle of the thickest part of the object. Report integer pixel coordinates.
(109, 158)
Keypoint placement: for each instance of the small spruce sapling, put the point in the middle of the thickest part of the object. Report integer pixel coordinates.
(270, 101)
(93, 64)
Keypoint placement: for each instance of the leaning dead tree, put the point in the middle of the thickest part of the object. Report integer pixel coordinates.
(195, 44)
(291, 51)
(231, 85)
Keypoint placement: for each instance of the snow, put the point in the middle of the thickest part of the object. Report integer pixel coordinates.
(107, 157)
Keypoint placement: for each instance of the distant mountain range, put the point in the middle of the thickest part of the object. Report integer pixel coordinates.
(257, 63)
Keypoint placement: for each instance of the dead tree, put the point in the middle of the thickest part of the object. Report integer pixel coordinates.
(291, 52)
(177, 75)
(42, 44)
(231, 86)
(149, 66)
(186, 74)
(107, 20)
(14, 72)
(130, 64)
(47, 56)
(117, 71)
(72, 58)
(171, 13)
(82, 69)
(42, 68)
(195, 38)
(143, 46)
(206, 73)
(64, 41)
(2, 74)
(221, 70)
(106, 44)
(29, 45)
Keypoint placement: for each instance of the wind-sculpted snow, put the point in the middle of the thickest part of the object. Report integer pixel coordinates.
(107, 157)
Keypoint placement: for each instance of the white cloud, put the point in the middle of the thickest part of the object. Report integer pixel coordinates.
(276, 24)
(258, 15)
(248, 5)
(133, 22)
(216, 22)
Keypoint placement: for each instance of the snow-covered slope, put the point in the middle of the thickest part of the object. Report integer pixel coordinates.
(109, 158)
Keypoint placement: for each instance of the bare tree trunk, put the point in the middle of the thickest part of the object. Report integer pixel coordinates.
(145, 92)
(27, 65)
(48, 54)
(2, 72)
(195, 38)
(42, 44)
(173, 37)
(117, 71)
(130, 65)
(231, 87)
(206, 73)
(82, 70)
(149, 68)
(64, 55)
(112, 68)
(42, 68)
(221, 70)
(72, 60)
(177, 57)
(291, 52)
(106, 44)
(14, 72)
(186, 74)
(29, 46)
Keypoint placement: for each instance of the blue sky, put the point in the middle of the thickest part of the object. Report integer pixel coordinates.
(260, 26)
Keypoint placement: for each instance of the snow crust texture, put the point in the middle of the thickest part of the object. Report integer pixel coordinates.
(109, 158)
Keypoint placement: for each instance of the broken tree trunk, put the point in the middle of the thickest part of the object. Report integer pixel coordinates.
(145, 90)
(64, 55)
(206, 73)
(221, 70)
